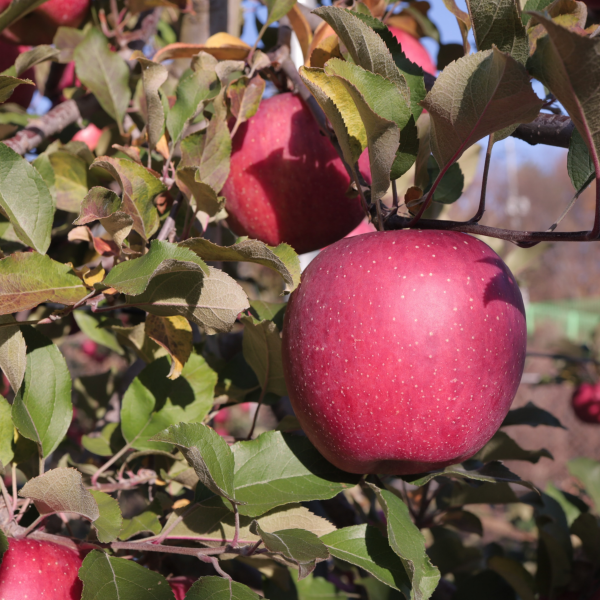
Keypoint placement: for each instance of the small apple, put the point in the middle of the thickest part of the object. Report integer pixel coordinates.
(40, 25)
(403, 350)
(586, 402)
(414, 50)
(8, 54)
(180, 586)
(36, 569)
(89, 135)
(287, 183)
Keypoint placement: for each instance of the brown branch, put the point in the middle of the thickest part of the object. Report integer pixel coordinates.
(52, 123)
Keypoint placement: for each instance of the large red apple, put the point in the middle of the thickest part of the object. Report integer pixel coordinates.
(414, 50)
(586, 402)
(40, 25)
(287, 183)
(180, 586)
(403, 350)
(39, 570)
(8, 54)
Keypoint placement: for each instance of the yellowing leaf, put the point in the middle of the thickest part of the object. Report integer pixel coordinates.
(174, 334)
(96, 275)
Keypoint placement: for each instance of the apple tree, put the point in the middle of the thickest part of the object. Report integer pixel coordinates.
(151, 223)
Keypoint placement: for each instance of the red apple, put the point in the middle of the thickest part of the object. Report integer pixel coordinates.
(90, 135)
(8, 54)
(287, 183)
(40, 25)
(403, 350)
(414, 50)
(180, 586)
(586, 402)
(34, 569)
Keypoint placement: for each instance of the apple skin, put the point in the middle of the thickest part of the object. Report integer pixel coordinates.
(40, 25)
(35, 569)
(8, 54)
(414, 50)
(586, 402)
(287, 183)
(180, 586)
(403, 350)
(90, 135)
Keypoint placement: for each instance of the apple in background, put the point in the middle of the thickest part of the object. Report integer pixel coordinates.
(180, 586)
(586, 402)
(35, 569)
(287, 183)
(40, 25)
(8, 54)
(414, 50)
(403, 350)
(90, 135)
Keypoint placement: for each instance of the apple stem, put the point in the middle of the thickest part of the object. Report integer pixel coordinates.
(395, 202)
(486, 170)
(35, 524)
(236, 535)
(259, 404)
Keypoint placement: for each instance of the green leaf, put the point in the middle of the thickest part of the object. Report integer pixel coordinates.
(28, 279)
(270, 311)
(365, 547)
(8, 83)
(35, 56)
(448, 552)
(262, 351)
(13, 352)
(277, 9)
(16, 10)
(42, 409)
(580, 165)
(61, 490)
(133, 276)
(146, 522)
(587, 470)
(532, 5)
(297, 545)
(475, 96)
(244, 97)
(450, 189)
(192, 90)
(281, 258)
(277, 469)
(213, 519)
(7, 433)
(340, 109)
(488, 493)
(409, 544)
(217, 588)
(503, 447)
(91, 325)
(207, 452)
(140, 187)
(498, 23)
(567, 64)
(107, 577)
(315, 588)
(152, 402)
(153, 76)
(204, 197)
(3, 544)
(25, 199)
(70, 176)
(516, 574)
(587, 529)
(213, 302)
(532, 415)
(464, 23)
(99, 203)
(109, 442)
(104, 73)
(108, 523)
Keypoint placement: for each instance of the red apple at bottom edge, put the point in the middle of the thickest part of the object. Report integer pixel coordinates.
(403, 350)
(586, 402)
(180, 586)
(39, 570)
(287, 183)
(22, 94)
(40, 25)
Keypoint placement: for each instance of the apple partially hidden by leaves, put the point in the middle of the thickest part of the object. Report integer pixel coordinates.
(90, 135)
(41, 24)
(180, 586)
(287, 183)
(586, 402)
(414, 50)
(37, 569)
(8, 54)
(403, 350)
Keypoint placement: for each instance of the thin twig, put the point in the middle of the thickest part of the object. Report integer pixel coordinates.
(110, 462)
(486, 170)
(395, 202)
(7, 500)
(260, 400)
(164, 534)
(169, 224)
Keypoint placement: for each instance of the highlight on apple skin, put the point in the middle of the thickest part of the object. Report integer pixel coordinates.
(403, 351)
